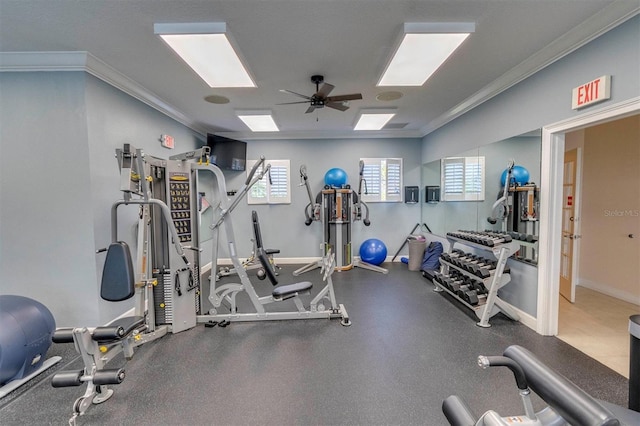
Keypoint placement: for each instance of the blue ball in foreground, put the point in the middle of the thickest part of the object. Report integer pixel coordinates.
(335, 177)
(373, 251)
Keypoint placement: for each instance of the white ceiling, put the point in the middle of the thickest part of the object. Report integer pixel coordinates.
(284, 42)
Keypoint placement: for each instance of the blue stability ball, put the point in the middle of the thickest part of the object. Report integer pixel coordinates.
(335, 177)
(26, 327)
(519, 175)
(373, 251)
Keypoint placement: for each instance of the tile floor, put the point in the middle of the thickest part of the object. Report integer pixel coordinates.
(598, 325)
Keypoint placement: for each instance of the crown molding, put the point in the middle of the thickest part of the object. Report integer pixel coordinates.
(86, 62)
(306, 134)
(608, 18)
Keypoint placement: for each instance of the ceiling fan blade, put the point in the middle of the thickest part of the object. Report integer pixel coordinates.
(296, 94)
(337, 105)
(291, 103)
(310, 109)
(341, 98)
(324, 90)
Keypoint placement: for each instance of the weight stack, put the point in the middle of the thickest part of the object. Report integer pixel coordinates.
(416, 254)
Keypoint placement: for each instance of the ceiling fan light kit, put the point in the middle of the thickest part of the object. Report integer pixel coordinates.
(423, 47)
(321, 97)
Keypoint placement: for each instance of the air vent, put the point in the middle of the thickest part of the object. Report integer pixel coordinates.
(392, 126)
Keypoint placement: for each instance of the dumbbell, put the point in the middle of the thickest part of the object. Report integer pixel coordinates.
(478, 271)
(473, 298)
(452, 283)
(461, 284)
(466, 284)
(480, 288)
(442, 279)
(491, 241)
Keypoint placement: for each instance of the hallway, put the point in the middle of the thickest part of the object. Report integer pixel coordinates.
(598, 325)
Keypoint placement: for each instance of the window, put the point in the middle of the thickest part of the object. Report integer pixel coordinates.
(462, 179)
(382, 180)
(276, 190)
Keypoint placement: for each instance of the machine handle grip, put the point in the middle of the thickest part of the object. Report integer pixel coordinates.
(254, 169)
(503, 361)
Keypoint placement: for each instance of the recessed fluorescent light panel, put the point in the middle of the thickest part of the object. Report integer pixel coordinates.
(373, 120)
(207, 49)
(258, 121)
(423, 48)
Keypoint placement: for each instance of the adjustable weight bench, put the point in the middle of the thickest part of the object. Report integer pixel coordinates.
(97, 346)
(567, 403)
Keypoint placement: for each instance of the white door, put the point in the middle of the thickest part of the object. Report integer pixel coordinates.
(570, 228)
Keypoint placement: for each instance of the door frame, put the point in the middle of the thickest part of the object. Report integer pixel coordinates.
(552, 168)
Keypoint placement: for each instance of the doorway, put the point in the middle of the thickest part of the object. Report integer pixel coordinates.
(604, 181)
(552, 165)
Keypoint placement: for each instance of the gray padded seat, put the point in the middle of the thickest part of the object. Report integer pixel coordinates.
(282, 291)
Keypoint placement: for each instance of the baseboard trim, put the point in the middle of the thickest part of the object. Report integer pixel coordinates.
(525, 318)
(299, 260)
(606, 289)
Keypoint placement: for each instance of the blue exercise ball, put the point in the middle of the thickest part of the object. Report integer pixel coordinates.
(335, 177)
(519, 176)
(373, 251)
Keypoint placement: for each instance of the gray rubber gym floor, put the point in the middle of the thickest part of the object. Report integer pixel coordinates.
(407, 349)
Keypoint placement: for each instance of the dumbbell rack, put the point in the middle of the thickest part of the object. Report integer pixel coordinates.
(493, 283)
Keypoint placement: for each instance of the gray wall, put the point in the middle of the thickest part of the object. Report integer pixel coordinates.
(283, 225)
(59, 178)
(540, 100)
(46, 225)
(545, 97)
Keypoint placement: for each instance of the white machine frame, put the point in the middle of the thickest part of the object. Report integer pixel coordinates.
(227, 293)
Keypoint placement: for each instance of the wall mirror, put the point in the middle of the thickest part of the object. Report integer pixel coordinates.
(522, 193)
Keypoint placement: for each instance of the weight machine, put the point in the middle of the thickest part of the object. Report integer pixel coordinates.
(162, 303)
(166, 281)
(337, 209)
(224, 297)
(517, 210)
(567, 403)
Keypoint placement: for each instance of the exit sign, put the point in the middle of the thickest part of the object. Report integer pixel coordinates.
(592, 92)
(167, 141)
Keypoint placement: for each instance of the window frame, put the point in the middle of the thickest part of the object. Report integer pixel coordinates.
(270, 197)
(466, 193)
(386, 194)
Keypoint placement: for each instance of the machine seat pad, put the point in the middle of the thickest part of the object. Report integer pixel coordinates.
(272, 251)
(117, 330)
(118, 282)
(283, 291)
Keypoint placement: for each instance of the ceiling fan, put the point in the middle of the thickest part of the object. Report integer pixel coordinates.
(321, 98)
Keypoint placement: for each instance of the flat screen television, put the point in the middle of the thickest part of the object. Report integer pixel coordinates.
(226, 153)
